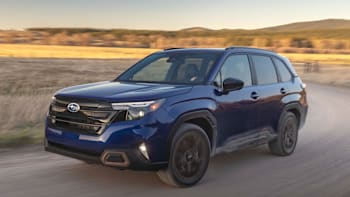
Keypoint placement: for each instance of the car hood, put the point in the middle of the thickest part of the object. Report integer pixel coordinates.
(123, 92)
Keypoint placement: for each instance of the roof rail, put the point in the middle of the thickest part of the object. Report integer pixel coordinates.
(168, 49)
(238, 47)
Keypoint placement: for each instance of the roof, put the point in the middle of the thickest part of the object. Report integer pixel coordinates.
(195, 49)
(224, 50)
(233, 48)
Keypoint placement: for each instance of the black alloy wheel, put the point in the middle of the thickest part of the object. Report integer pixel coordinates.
(189, 157)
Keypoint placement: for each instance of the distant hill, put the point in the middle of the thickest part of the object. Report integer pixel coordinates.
(196, 29)
(329, 34)
(326, 24)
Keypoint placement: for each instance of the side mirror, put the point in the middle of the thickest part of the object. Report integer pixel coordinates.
(231, 84)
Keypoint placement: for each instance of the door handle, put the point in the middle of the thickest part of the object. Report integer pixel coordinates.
(283, 91)
(254, 95)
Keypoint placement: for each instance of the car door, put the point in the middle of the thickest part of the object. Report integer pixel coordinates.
(285, 85)
(236, 110)
(267, 92)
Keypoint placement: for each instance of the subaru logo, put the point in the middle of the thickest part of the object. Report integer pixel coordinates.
(73, 107)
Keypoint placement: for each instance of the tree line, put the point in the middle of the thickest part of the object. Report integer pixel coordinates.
(296, 41)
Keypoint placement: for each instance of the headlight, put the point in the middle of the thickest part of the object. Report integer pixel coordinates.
(137, 110)
(53, 100)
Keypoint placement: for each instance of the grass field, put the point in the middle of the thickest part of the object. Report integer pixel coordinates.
(329, 59)
(48, 51)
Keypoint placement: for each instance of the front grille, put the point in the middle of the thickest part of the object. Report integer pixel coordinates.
(92, 118)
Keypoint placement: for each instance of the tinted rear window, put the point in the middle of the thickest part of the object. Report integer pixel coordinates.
(283, 70)
(265, 70)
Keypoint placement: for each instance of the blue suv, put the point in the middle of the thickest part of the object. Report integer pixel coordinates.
(176, 108)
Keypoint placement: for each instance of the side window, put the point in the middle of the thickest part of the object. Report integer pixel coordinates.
(283, 70)
(265, 70)
(237, 66)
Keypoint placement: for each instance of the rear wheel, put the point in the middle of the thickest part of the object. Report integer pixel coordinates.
(189, 157)
(286, 140)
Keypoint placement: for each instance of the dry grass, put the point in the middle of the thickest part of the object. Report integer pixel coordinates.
(28, 108)
(52, 51)
(37, 76)
(328, 59)
(22, 118)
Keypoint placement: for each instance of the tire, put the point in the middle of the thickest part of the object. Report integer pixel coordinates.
(189, 157)
(285, 143)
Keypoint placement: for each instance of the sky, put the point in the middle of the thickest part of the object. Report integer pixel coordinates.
(166, 14)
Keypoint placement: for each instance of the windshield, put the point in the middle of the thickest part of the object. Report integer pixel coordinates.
(172, 68)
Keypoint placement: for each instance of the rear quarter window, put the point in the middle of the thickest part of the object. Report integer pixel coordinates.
(284, 72)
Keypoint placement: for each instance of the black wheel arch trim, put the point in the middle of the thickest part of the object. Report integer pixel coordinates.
(299, 108)
(206, 114)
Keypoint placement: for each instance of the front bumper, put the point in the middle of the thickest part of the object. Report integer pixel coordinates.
(117, 146)
(122, 159)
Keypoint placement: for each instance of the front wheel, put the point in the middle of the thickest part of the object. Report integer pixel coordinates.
(189, 157)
